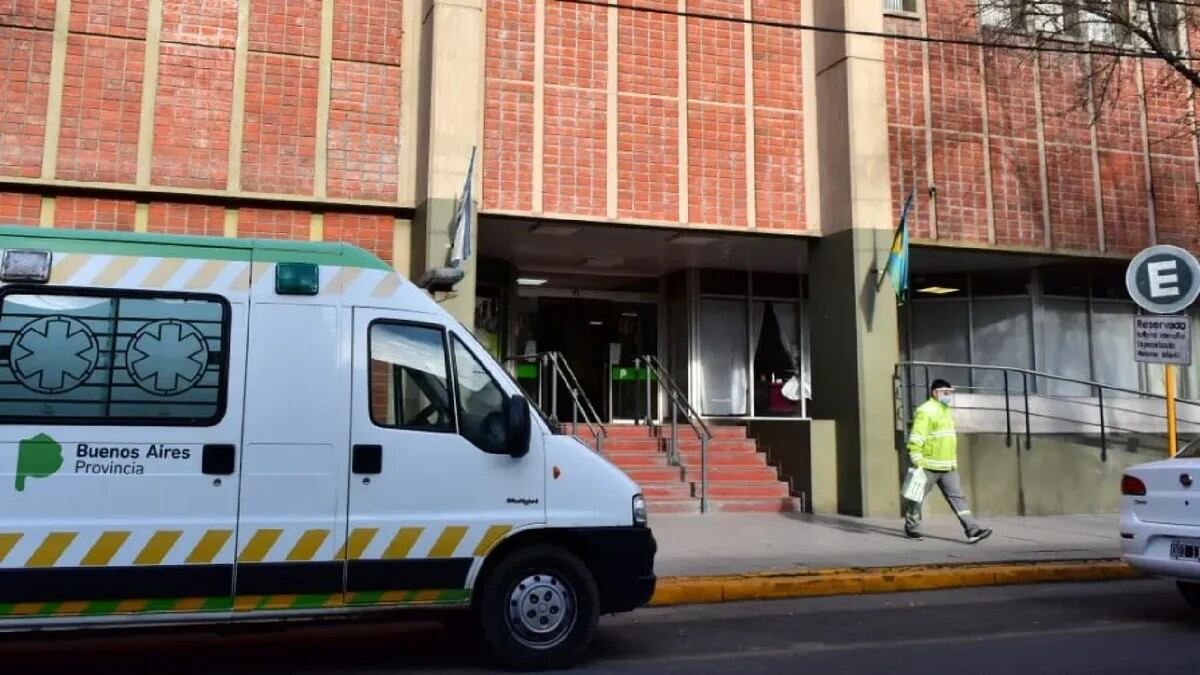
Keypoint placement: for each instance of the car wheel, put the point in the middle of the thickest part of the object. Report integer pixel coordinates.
(539, 609)
(1190, 592)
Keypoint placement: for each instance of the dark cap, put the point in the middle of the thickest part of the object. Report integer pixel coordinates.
(940, 384)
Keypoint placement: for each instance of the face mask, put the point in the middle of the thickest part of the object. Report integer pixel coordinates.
(946, 399)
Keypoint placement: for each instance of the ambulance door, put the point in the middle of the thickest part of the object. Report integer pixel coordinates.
(429, 495)
(295, 461)
(120, 432)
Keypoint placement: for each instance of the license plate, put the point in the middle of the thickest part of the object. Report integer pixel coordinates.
(1185, 549)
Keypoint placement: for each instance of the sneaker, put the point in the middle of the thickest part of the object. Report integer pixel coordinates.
(913, 534)
(978, 535)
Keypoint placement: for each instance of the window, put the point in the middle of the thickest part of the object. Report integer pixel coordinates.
(408, 378)
(909, 6)
(86, 357)
(481, 402)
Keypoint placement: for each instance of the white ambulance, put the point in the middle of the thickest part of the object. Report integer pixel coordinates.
(213, 430)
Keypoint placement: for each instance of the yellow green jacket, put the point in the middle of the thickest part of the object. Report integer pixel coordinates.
(933, 442)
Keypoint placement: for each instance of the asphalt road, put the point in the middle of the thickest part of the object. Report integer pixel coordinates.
(1128, 627)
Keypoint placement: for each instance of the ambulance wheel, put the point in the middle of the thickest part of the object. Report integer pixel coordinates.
(539, 609)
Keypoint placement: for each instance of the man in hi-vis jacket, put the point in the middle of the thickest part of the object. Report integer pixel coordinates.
(933, 447)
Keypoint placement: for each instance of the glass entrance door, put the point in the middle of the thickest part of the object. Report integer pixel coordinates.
(600, 340)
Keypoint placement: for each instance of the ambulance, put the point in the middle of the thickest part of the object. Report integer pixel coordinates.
(219, 430)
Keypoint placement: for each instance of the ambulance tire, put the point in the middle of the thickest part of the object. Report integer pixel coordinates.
(539, 609)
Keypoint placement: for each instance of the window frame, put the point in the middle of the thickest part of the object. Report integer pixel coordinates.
(222, 401)
(458, 412)
(451, 386)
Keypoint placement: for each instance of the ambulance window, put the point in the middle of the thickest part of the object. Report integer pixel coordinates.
(105, 358)
(408, 379)
(480, 402)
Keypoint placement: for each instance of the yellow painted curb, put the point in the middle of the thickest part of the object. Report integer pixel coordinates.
(843, 581)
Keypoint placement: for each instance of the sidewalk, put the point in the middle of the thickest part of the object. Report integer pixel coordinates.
(729, 544)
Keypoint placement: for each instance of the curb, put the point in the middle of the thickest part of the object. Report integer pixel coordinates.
(674, 591)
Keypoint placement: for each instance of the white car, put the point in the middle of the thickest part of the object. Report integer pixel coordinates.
(1160, 520)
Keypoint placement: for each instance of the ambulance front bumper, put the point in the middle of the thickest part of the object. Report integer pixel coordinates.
(622, 561)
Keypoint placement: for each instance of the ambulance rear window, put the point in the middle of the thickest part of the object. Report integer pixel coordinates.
(103, 358)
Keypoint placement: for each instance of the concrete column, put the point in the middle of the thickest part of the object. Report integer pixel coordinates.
(854, 329)
(450, 122)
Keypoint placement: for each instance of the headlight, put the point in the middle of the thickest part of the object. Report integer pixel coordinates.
(639, 510)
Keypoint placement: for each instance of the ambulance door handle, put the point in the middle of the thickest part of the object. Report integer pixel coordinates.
(218, 460)
(367, 459)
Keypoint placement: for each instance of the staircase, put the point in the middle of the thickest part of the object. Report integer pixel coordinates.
(739, 478)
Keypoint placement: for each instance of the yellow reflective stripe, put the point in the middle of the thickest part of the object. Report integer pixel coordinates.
(277, 602)
(260, 545)
(73, 607)
(206, 275)
(158, 547)
(342, 280)
(51, 549)
(67, 267)
(387, 286)
(308, 545)
(243, 602)
(427, 596)
(448, 542)
(115, 270)
(190, 605)
(8, 541)
(493, 535)
(208, 547)
(131, 606)
(162, 273)
(105, 548)
(402, 543)
(26, 608)
(358, 542)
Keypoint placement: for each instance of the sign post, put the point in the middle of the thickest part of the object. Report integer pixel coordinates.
(1164, 280)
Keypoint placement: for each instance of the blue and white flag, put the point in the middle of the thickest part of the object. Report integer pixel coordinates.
(461, 250)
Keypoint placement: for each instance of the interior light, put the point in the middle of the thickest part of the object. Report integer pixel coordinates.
(25, 265)
(595, 323)
(297, 279)
(632, 315)
(530, 281)
(938, 290)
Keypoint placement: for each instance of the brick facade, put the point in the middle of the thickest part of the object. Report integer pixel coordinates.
(1052, 181)
(580, 180)
(101, 125)
(1008, 166)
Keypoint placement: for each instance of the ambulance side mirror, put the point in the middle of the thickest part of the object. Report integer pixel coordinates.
(517, 425)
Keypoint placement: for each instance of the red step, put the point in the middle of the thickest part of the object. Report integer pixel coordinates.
(685, 431)
(739, 478)
(658, 474)
(692, 459)
(732, 474)
(659, 491)
(632, 459)
(719, 491)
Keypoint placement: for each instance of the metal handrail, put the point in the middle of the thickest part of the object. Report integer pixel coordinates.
(1041, 375)
(679, 403)
(561, 372)
(1105, 426)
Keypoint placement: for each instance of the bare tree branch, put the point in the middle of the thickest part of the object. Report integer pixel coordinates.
(1151, 29)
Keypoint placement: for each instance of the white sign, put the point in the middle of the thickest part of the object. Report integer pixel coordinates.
(1163, 339)
(1163, 279)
